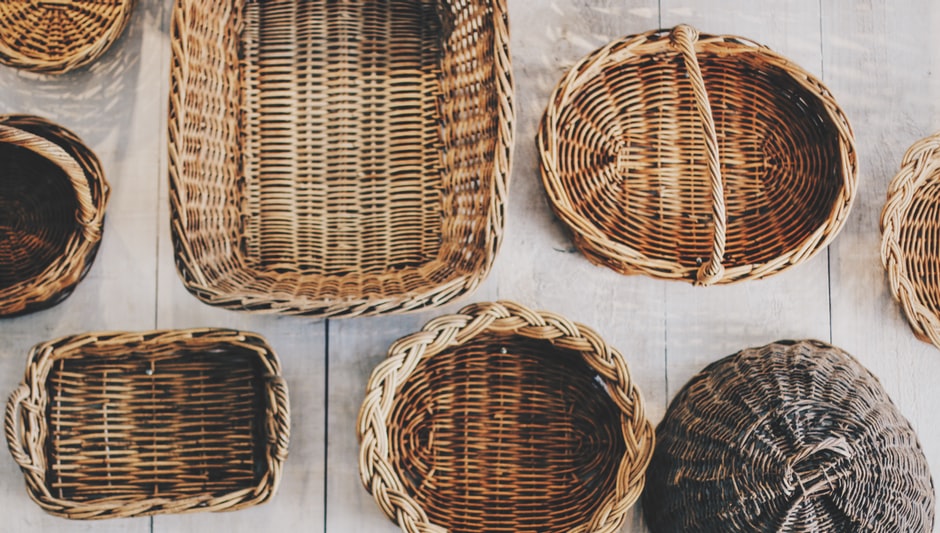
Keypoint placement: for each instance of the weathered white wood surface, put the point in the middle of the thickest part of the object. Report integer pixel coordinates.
(880, 58)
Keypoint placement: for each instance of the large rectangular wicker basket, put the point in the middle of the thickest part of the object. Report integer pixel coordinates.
(131, 424)
(338, 158)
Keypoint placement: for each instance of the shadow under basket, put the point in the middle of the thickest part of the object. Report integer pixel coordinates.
(338, 159)
(56, 36)
(702, 158)
(135, 424)
(795, 436)
(53, 196)
(503, 419)
(910, 246)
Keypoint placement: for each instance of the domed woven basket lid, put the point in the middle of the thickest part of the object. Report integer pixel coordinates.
(56, 36)
(910, 226)
(792, 436)
(704, 158)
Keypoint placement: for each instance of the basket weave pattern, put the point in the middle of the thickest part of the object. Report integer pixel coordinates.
(504, 419)
(57, 36)
(338, 158)
(790, 437)
(133, 424)
(910, 238)
(53, 196)
(703, 158)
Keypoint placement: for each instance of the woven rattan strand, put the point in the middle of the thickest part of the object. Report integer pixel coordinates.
(703, 158)
(793, 437)
(53, 196)
(338, 158)
(132, 424)
(500, 418)
(910, 246)
(57, 36)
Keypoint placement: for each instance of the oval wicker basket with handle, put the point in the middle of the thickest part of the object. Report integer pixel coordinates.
(56, 36)
(500, 418)
(910, 226)
(338, 158)
(110, 425)
(703, 158)
(53, 196)
(795, 436)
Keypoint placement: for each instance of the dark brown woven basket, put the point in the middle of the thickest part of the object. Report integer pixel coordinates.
(789, 437)
(338, 158)
(56, 36)
(910, 226)
(703, 158)
(132, 424)
(53, 196)
(504, 419)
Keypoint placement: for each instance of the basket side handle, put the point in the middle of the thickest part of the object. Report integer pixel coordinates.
(88, 215)
(683, 37)
(12, 426)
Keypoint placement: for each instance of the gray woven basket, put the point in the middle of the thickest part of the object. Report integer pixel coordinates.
(792, 436)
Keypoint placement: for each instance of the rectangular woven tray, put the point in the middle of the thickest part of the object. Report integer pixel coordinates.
(338, 158)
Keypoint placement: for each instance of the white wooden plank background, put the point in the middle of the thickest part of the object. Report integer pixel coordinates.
(880, 58)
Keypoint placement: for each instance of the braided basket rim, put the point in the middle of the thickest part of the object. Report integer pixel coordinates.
(376, 468)
(61, 64)
(28, 448)
(600, 248)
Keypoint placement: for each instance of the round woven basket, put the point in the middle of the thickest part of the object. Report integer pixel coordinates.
(52, 201)
(789, 437)
(500, 418)
(910, 225)
(56, 36)
(704, 158)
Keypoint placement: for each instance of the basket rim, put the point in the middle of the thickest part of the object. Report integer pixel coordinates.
(29, 399)
(93, 192)
(195, 279)
(919, 166)
(81, 57)
(376, 469)
(603, 248)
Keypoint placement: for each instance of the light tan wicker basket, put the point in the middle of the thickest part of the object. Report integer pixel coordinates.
(132, 424)
(500, 418)
(53, 196)
(704, 158)
(910, 226)
(56, 36)
(338, 158)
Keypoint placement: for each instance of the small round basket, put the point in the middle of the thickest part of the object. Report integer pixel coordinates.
(703, 158)
(910, 246)
(56, 36)
(789, 437)
(52, 201)
(504, 419)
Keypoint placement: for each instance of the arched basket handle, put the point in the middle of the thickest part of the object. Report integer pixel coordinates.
(683, 37)
(12, 426)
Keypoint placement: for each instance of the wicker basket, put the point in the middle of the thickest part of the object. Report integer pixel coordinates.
(790, 437)
(338, 158)
(504, 419)
(708, 159)
(52, 201)
(132, 424)
(56, 36)
(910, 238)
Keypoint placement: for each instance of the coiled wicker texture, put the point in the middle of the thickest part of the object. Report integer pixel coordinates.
(338, 158)
(57, 36)
(131, 424)
(53, 195)
(910, 238)
(709, 159)
(795, 436)
(500, 418)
